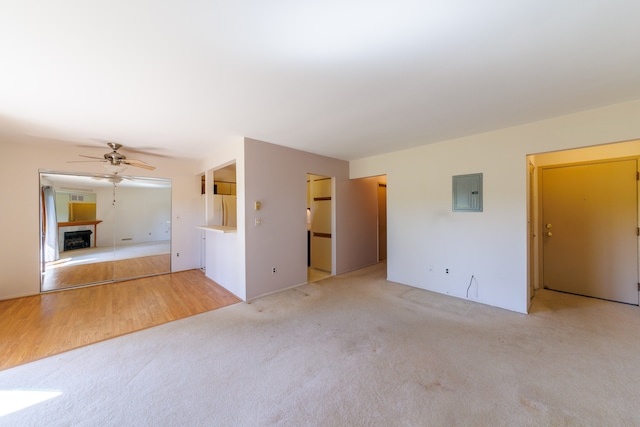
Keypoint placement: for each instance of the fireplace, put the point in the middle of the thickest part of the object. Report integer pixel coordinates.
(77, 239)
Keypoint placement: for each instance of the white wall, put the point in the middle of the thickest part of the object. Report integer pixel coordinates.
(22, 158)
(105, 212)
(142, 215)
(222, 262)
(225, 253)
(425, 237)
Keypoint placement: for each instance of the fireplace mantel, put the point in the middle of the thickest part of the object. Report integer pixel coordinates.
(76, 223)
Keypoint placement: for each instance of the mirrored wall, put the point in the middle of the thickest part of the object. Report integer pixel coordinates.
(102, 228)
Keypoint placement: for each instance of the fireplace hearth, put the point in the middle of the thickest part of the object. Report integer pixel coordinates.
(77, 239)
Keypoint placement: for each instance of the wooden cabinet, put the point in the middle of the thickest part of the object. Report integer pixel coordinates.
(225, 188)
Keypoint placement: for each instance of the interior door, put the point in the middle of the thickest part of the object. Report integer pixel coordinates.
(321, 223)
(590, 242)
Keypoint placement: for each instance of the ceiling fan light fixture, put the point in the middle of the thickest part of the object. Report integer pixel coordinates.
(115, 169)
(116, 162)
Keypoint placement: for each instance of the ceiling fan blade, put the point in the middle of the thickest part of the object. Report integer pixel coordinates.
(115, 158)
(140, 165)
(85, 161)
(135, 161)
(147, 151)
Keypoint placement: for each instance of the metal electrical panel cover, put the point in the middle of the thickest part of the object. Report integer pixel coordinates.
(467, 193)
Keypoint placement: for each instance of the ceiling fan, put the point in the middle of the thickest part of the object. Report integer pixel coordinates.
(115, 162)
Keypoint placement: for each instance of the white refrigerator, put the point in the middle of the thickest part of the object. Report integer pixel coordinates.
(224, 210)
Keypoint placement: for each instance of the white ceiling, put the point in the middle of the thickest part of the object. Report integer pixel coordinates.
(90, 182)
(347, 79)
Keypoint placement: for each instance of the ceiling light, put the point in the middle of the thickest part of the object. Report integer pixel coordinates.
(114, 169)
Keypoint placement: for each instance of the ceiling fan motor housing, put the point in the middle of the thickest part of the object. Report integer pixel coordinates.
(115, 158)
(115, 161)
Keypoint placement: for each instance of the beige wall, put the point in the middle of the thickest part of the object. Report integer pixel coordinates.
(586, 154)
(605, 151)
(22, 158)
(425, 237)
(357, 230)
(246, 272)
(277, 177)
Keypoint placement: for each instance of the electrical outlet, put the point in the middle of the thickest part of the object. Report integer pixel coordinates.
(446, 270)
(273, 270)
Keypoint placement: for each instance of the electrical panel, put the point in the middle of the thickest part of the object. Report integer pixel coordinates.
(467, 193)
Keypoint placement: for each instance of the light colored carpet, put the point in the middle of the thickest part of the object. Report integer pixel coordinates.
(351, 350)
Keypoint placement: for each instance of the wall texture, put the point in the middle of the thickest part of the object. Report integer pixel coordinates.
(19, 253)
(486, 253)
(277, 177)
(225, 254)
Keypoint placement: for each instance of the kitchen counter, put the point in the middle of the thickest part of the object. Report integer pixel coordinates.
(218, 228)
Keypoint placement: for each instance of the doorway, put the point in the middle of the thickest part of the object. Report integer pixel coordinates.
(382, 218)
(319, 227)
(611, 262)
(589, 236)
(218, 202)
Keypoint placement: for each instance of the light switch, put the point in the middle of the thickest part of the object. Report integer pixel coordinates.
(257, 206)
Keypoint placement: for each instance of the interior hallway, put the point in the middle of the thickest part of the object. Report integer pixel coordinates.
(315, 275)
(38, 326)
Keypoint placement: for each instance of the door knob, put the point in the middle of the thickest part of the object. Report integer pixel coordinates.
(548, 226)
(548, 234)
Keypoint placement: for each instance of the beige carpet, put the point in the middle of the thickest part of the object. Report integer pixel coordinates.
(352, 350)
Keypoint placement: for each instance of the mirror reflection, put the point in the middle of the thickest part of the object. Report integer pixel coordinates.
(103, 228)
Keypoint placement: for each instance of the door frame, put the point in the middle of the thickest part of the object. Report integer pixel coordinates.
(311, 178)
(538, 259)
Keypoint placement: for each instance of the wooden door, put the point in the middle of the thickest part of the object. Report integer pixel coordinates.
(590, 242)
(321, 223)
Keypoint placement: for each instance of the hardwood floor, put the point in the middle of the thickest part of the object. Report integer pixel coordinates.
(38, 326)
(69, 276)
